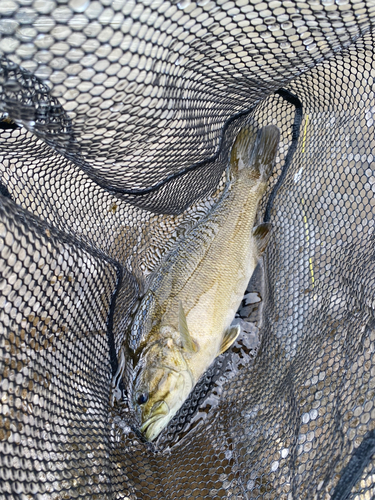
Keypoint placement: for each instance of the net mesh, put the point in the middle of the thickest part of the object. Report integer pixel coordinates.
(118, 118)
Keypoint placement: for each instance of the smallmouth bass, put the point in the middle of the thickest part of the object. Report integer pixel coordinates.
(184, 319)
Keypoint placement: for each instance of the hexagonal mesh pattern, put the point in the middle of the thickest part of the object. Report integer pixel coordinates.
(117, 118)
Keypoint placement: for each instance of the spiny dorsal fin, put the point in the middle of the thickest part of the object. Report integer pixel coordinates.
(262, 235)
(230, 336)
(188, 343)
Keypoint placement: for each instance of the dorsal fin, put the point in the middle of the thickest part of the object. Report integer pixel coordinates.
(230, 336)
(262, 235)
(188, 343)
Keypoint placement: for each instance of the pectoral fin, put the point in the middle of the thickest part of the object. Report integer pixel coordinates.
(189, 344)
(262, 234)
(230, 336)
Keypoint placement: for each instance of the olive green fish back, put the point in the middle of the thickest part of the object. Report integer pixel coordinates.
(117, 120)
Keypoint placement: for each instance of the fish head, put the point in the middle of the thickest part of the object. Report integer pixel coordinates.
(162, 383)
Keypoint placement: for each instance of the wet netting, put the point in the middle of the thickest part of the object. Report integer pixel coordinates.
(117, 121)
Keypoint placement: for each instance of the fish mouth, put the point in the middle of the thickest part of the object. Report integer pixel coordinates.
(159, 411)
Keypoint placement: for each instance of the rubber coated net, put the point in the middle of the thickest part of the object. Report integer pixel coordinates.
(117, 121)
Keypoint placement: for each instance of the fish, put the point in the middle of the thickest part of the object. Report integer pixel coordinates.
(184, 319)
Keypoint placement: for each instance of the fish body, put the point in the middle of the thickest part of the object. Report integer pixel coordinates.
(184, 319)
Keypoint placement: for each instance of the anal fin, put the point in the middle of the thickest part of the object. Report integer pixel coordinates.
(230, 336)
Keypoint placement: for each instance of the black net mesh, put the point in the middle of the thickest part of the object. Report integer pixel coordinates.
(117, 120)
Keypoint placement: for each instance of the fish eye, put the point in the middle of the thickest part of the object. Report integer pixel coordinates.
(142, 398)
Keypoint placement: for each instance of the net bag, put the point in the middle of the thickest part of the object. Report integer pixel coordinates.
(117, 118)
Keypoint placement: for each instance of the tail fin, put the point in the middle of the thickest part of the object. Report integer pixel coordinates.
(265, 152)
(242, 149)
(256, 151)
